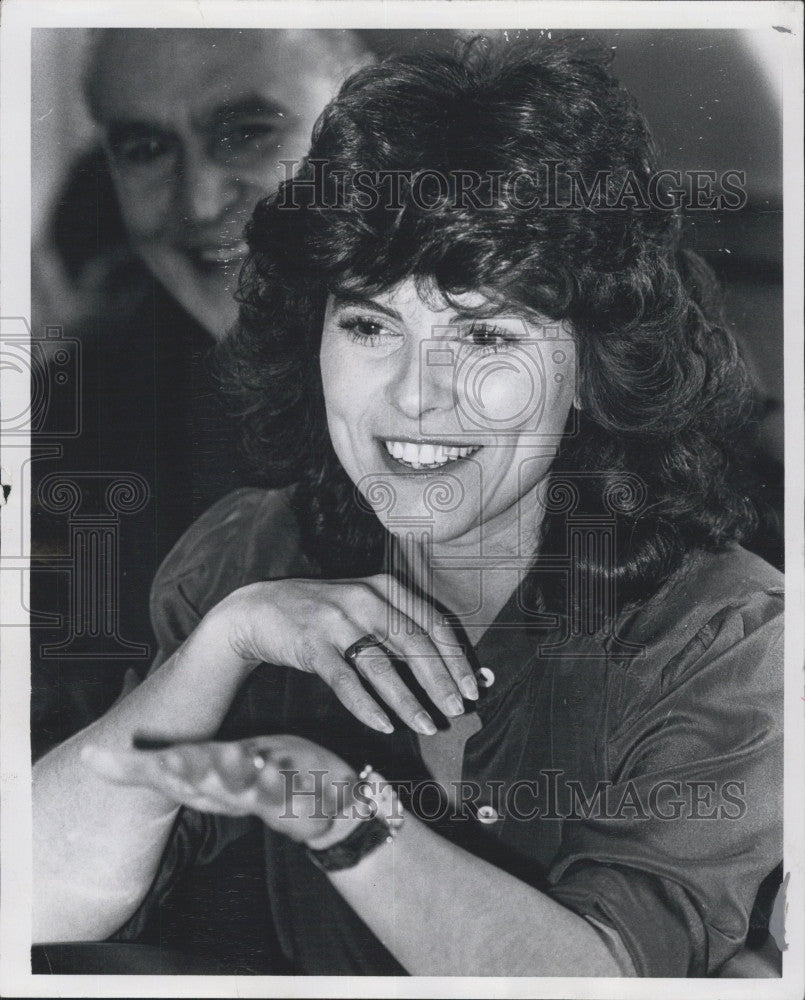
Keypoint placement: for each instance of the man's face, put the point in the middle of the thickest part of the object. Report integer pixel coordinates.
(196, 124)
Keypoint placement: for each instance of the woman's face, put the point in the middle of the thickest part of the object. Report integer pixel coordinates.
(445, 420)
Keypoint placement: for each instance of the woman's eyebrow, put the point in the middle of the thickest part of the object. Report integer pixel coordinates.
(482, 313)
(344, 301)
(499, 313)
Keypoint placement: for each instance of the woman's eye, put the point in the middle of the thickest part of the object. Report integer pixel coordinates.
(363, 331)
(488, 338)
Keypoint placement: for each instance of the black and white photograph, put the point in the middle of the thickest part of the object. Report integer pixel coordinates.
(402, 516)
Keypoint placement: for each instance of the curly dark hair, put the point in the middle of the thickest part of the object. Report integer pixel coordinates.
(663, 391)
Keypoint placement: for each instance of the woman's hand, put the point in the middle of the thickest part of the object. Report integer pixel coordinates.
(294, 786)
(309, 624)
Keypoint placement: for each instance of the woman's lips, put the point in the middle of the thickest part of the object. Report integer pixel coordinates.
(414, 455)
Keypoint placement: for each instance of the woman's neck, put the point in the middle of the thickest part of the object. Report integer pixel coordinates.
(473, 576)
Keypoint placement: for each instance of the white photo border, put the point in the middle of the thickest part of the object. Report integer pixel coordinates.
(782, 26)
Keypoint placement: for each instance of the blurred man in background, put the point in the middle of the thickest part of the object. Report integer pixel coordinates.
(193, 126)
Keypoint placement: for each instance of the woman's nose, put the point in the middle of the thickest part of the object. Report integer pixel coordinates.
(423, 382)
(209, 188)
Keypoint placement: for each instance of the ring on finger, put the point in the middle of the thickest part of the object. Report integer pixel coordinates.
(367, 641)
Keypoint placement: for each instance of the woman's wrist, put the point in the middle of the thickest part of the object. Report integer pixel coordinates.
(372, 801)
(344, 812)
(226, 628)
(340, 828)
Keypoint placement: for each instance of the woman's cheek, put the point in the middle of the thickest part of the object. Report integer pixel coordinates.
(339, 399)
(506, 400)
(330, 376)
(342, 418)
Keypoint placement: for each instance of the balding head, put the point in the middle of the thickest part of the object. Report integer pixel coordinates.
(123, 59)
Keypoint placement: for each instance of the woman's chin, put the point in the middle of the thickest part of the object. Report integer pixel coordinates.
(437, 530)
(442, 507)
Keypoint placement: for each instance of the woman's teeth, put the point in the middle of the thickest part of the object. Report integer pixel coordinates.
(426, 456)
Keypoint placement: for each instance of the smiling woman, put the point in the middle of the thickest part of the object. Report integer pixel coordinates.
(499, 561)
(412, 383)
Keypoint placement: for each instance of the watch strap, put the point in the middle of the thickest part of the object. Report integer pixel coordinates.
(362, 840)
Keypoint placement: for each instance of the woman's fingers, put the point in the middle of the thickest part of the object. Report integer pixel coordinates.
(290, 783)
(330, 665)
(376, 666)
(311, 624)
(371, 613)
(429, 669)
(415, 615)
(375, 663)
(161, 771)
(428, 665)
(210, 777)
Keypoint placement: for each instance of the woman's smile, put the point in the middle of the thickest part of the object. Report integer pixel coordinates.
(426, 456)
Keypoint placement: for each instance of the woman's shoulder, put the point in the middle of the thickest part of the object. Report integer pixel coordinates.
(731, 582)
(250, 534)
(721, 616)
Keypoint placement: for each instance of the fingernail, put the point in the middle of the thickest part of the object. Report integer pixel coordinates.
(382, 723)
(469, 688)
(454, 705)
(424, 723)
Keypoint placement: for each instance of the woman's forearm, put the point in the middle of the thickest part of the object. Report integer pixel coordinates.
(444, 912)
(96, 845)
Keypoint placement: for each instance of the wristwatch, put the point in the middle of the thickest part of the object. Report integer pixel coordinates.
(379, 827)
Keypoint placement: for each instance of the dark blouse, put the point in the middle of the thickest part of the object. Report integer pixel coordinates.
(635, 778)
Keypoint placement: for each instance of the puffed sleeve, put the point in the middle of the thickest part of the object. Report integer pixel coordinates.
(249, 535)
(692, 821)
